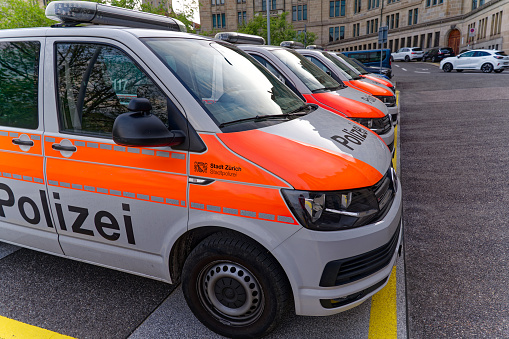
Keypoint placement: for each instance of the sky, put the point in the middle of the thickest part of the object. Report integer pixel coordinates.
(179, 4)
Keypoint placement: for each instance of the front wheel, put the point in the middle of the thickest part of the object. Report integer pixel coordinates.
(235, 287)
(487, 68)
(447, 67)
(499, 70)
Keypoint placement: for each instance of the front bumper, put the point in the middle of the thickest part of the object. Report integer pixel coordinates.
(305, 255)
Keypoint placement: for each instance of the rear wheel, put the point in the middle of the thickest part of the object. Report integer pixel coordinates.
(499, 70)
(487, 68)
(235, 287)
(407, 58)
(447, 67)
(434, 59)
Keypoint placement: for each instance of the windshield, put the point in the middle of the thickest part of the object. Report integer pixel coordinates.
(312, 76)
(351, 73)
(353, 63)
(228, 83)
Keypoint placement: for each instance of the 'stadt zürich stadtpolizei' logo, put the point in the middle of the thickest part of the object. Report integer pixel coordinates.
(200, 167)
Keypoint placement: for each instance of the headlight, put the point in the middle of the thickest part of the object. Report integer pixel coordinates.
(389, 101)
(378, 125)
(332, 211)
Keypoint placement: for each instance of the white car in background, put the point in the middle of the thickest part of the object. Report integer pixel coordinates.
(408, 54)
(486, 60)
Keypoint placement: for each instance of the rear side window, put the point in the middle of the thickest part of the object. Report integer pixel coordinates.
(96, 82)
(19, 78)
(501, 53)
(418, 49)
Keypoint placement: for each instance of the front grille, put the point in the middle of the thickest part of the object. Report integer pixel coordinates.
(382, 125)
(344, 271)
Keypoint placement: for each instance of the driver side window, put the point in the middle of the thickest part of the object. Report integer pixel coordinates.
(96, 82)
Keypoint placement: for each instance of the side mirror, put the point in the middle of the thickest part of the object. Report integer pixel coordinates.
(142, 129)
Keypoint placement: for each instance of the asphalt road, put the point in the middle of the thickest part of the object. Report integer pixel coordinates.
(455, 166)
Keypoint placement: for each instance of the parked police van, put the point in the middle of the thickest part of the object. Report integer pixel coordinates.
(180, 158)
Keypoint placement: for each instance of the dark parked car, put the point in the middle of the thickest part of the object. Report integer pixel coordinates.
(437, 54)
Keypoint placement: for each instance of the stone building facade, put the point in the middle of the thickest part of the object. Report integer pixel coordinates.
(346, 25)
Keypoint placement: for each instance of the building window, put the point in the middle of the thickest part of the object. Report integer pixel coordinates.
(357, 6)
(294, 13)
(304, 12)
(474, 4)
(396, 21)
(373, 4)
(336, 33)
(430, 3)
(337, 8)
(412, 16)
(241, 16)
(356, 30)
(219, 20)
(437, 39)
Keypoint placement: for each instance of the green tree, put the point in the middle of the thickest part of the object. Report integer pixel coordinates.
(28, 13)
(280, 29)
(22, 13)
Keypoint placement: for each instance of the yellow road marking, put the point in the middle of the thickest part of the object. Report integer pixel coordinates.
(383, 320)
(12, 329)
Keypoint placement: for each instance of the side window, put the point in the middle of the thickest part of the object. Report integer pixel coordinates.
(319, 64)
(271, 68)
(468, 54)
(96, 83)
(19, 78)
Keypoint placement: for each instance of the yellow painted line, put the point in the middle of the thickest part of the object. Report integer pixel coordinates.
(383, 320)
(395, 158)
(12, 329)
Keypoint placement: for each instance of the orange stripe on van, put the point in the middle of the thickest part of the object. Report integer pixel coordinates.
(371, 88)
(350, 108)
(164, 185)
(246, 201)
(21, 166)
(380, 81)
(221, 163)
(113, 154)
(304, 166)
(6, 142)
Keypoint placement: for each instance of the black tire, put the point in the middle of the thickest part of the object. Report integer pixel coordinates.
(447, 67)
(407, 58)
(228, 259)
(434, 59)
(487, 68)
(392, 59)
(499, 70)
(459, 70)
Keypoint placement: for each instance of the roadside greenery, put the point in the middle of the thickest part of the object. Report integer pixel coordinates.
(29, 13)
(280, 30)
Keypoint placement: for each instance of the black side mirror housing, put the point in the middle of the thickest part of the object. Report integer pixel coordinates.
(140, 128)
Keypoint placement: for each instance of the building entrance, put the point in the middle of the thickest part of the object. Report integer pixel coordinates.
(454, 40)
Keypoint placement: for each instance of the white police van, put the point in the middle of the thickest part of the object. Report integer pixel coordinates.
(180, 158)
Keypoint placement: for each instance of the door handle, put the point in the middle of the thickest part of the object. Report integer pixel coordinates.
(22, 142)
(64, 148)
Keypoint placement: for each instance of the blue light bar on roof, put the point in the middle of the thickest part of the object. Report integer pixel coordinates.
(84, 12)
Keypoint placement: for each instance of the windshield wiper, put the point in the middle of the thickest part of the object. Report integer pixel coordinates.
(260, 118)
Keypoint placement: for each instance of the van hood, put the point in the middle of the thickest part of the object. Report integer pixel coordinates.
(373, 87)
(351, 93)
(319, 152)
(348, 107)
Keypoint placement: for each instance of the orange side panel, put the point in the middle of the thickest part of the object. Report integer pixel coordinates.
(305, 167)
(151, 184)
(381, 81)
(160, 160)
(372, 89)
(242, 200)
(349, 84)
(350, 108)
(6, 143)
(23, 165)
(218, 162)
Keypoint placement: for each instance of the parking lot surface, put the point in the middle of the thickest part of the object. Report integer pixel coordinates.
(454, 175)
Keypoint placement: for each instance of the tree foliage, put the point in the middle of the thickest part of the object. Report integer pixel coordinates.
(29, 13)
(280, 30)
